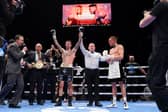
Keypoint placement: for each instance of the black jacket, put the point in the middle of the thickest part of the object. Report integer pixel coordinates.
(32, 57)
(14, 57)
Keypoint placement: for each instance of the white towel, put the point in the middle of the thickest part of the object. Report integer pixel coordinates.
(114, 70)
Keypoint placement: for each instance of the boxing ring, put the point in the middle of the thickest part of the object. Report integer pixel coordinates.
(80, 96)
(80, 106)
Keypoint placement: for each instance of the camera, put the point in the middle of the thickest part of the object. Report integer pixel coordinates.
(19, 6)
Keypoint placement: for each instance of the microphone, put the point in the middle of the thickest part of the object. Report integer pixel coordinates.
(24, 48)
(24, 45)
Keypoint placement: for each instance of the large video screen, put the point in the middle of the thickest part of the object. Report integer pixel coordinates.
(87, 14)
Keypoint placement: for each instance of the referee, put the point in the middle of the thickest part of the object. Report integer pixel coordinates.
(92, 59)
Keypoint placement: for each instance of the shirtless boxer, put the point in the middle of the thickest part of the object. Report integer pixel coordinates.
(115, 71)
(66, 68)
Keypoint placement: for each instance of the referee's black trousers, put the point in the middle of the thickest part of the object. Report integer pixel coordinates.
(92, 80)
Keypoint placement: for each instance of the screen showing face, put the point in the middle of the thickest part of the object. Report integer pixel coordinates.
(86, 14)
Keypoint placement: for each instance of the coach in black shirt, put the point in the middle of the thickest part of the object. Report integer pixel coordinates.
(159, 59)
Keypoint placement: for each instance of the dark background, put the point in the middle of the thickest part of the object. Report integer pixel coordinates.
(41, 15)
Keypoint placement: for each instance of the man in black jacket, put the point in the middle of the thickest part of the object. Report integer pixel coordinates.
(36, 74)
(13, 71)
(158, 63)
(6, 16)
(8, 10)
